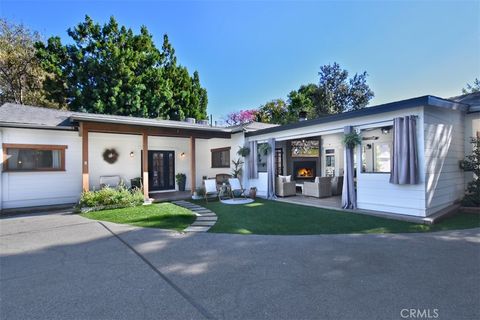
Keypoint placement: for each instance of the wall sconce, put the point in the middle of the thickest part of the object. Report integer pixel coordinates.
(182, 155)
(131, 154)
(386, 130)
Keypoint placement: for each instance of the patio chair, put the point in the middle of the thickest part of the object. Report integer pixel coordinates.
(321, 188)
(210, 188)
(337, 185)
(285, 188)
(236, 188)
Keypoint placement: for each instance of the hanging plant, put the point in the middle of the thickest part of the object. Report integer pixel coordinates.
(110, 155)
(243, 151)
(352, 139)
(264, 149)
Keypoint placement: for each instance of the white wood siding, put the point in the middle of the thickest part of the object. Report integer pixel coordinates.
(444, 148)
(374, 190)
(204, 158)
(26, 189)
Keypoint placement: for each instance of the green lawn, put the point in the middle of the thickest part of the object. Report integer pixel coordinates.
(162, 215)
(272, 217)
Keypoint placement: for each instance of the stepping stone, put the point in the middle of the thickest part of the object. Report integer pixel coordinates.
(203, 218)
(208, 215)
(196, 229)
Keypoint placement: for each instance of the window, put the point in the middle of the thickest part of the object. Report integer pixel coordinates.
(221, 157)
(34, 157)
(261, 160)
(377, 150)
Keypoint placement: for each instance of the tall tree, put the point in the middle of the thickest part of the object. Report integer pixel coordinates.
(109, 69)
(274, 111)
(472, 88)
(241, 117)
(341, 94)
(21, 76)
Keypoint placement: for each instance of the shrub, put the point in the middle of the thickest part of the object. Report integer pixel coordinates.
(472, 163)
(108, 197)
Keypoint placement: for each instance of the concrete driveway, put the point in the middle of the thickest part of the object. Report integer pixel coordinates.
(61, 266)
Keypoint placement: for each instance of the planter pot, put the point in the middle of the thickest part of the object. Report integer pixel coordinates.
(181, 185)
(253, 193)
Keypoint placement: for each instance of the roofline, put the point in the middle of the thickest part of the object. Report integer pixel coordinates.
(391, 106)
(36, 126)
(133, 121)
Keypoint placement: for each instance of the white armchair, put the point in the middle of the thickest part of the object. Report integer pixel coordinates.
(320, 188)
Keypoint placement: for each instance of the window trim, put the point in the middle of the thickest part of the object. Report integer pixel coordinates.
(219, 150)
(44, 147)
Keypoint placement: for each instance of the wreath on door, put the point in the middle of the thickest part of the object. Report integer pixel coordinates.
(110, 155)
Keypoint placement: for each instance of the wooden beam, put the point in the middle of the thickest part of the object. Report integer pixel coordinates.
(145, 165)
(85, 177)
(154, 131)
(192, 165)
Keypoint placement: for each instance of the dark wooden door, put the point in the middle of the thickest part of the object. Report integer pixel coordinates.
(161, 170)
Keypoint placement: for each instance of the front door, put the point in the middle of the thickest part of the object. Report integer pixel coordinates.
(161, 170)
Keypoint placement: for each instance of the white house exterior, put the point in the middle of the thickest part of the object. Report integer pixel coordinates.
(79, 141)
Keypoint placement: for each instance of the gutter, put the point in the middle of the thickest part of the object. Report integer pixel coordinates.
(36, 126)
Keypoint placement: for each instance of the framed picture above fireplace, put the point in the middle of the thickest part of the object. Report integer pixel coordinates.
(305, 148)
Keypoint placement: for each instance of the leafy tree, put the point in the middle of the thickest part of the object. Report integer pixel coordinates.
(274, 111)
(21, 76)
(341, 94)
(109, 69)
(308, 99)
(472, 163)
(472, 88)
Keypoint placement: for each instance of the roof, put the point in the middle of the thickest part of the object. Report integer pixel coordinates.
(252, 126)
(387, 107)
(18, 115)
(472, 99)
(24, 116)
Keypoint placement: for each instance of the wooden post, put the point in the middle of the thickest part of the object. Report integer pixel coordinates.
(85, 178)
(145, 165)
(192, 164)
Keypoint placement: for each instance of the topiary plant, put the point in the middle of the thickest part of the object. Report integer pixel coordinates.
(352, 139)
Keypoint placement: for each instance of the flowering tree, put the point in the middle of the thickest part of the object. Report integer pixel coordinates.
(240, 117)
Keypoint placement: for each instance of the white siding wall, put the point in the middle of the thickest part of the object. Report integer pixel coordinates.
(204, 159)
(26, 189)
(126, 167)
(374, 190)
(444, 148)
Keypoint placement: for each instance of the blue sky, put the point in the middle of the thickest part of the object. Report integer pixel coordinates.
(250, 52)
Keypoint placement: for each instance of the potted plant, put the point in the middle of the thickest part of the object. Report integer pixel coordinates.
(352, 139)
(264, 149)
(243, 151)
(253, 193)
(181, 179)
(237, 168)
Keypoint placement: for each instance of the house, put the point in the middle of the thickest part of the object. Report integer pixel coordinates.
(50, 156)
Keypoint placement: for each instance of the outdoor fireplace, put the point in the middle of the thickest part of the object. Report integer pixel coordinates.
(304, 169)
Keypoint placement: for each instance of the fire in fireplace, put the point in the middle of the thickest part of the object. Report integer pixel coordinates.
(305, 173)
(304, 169)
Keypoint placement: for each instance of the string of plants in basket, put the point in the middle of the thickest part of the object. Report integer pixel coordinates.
(352, 139)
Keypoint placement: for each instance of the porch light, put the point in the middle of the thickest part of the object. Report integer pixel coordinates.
(182, 155)
(131, 154)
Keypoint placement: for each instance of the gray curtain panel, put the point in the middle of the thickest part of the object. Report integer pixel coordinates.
(252, 161)
(404, 165)
(349, 196)
(271, 170)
